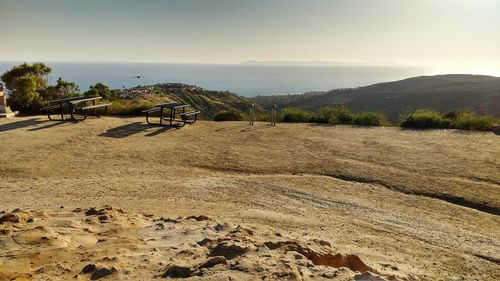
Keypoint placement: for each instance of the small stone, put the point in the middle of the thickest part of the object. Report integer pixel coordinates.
(9, 217)
(177, 271)
(91, 212)
(213, 262)
(88, 269)
(229, 251)
(102, 272)
(199, 218)
(103, 218)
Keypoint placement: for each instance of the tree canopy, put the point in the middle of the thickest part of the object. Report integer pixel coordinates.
(62, 89)
(28, 87)
(102, 90)
(26, 83)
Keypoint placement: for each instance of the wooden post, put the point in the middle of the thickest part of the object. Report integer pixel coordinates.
(252, 113)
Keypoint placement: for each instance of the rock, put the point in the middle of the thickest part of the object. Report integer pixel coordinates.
(368, 276)
(102, 272)
(167, 220)
(92, 212)
(103, 218)
(204, 241)
(9, 217)
(227, 250)
(213, 262)
(178, 271)
(199, 218)
(88, 269)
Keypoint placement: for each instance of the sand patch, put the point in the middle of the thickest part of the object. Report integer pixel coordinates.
(109, 243)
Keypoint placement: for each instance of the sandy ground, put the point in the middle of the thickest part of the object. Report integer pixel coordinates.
(292, 202)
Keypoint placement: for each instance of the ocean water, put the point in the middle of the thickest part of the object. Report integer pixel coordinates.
(243, 79)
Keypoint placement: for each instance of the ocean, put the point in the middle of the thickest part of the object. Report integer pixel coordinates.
(243, 79)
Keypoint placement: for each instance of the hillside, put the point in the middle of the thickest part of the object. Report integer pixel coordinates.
(207, 101)
(444, 93)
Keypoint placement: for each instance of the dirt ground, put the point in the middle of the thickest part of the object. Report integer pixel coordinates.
(291, 202)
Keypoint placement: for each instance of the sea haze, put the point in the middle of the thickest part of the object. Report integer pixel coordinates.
(246, 79)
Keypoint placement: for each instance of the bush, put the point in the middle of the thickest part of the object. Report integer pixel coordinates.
(342, 115)
(471, 121)
(264, 117)
(296, 115)
(229, 115)
(423, 119)
(129, 107)
(370, 119)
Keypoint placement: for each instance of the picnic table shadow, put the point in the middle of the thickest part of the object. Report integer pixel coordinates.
(50, 125)
(135, 128)
(21, 124)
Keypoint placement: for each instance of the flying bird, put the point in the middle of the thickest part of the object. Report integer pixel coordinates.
(138, 76)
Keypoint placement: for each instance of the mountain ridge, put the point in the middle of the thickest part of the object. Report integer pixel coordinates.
(478, 93)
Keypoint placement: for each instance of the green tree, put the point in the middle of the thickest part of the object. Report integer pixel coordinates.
(27, 83)
(63, 89)
(102, 90)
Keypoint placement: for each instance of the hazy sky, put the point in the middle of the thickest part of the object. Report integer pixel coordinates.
(459, 35)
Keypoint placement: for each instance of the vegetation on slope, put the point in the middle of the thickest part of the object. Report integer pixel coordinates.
(424, 119)
(444, 93)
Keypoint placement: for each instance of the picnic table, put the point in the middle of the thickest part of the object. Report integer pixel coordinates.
(172, 110)
(75, 105)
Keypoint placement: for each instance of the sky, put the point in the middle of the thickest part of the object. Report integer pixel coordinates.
(449, 35)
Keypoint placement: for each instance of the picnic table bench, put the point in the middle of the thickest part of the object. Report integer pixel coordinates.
(172, 107)
(72, 105)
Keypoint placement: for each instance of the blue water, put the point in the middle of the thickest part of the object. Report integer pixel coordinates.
(244, 79)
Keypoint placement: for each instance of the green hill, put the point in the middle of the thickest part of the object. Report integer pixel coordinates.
(477, 93)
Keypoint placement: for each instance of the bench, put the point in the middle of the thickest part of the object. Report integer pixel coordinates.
(185, 115)
(54, 107)
(105, 105)
(93, 107)
(72, 103)
(171, 109)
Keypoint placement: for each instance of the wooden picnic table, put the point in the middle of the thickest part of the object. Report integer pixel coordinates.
(72, 103)
(172, 107)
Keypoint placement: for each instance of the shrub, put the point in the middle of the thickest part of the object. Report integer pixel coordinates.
(295, 115)
(370, 119)
(342, 115)
(229, 115)
(129, 107)
(423, 119)
(264, 117)
(471, 121)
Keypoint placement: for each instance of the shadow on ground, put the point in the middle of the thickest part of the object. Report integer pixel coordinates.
(21, 124)
(50, 125)
(496, 130)
(135, 128)
(239, 126)
(256, 128)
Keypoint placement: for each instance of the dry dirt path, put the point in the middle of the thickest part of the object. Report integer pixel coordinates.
(411, 204)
